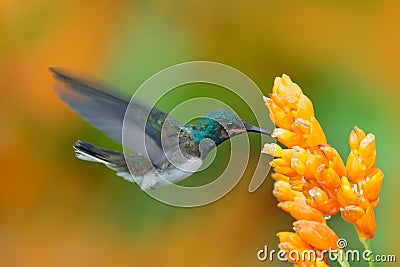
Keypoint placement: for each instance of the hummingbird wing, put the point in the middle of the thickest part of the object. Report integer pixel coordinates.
(105, 110)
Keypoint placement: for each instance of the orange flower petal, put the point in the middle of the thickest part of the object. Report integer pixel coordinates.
(282, 166)
(317, 263)
(280, 101)
(294, 239)
(305, 109)
(320, 263)
(286, 137)
(283, 192)
(375, 202)
(352, 213)
(330, 207)
(312, 164)
(317, 234)
(297, 165)
(366, 226)
(288, 248)
(372, 185)
(335, 161)
(367, 151)
(318, 195)
(353, 140)
(302, 127)
(317, 135)
(301, 211)
(360, 133)
(279, 177)
(347, 192)
(355, 168)
(278, 115)
(285, 86)
(297, 183)
(272, 149)
(327, 176)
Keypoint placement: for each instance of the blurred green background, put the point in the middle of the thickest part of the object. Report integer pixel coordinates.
(58, 211)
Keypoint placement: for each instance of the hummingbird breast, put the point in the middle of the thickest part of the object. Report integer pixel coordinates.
(170, 173)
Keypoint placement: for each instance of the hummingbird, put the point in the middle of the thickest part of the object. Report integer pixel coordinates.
(166, 150)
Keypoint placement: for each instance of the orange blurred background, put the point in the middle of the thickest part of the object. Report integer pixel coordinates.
(58, 211)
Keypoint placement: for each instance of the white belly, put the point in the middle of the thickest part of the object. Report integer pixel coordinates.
(171, 174)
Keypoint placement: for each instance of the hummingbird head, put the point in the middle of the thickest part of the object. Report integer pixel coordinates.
(220, 125)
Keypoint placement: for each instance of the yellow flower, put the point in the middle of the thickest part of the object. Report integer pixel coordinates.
(371, 185)
(282, 189)
(308, 236)
(362, 157)
(314, 171)
(366, 226)
(293, 112)
(357, 209)
(317, 234)
(359, 200)
(359, 196)
(300, 210)
(311, 179)
(292, 244)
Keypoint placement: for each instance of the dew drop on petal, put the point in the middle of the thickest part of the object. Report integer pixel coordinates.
(314, 193)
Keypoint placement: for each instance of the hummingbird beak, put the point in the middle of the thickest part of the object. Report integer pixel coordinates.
(255, 129)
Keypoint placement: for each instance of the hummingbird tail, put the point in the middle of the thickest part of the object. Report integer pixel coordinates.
(116, 161)
(112, 159)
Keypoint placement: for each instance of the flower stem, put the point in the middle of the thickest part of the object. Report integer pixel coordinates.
(341, 259)
(367, 246)
(343, 262)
